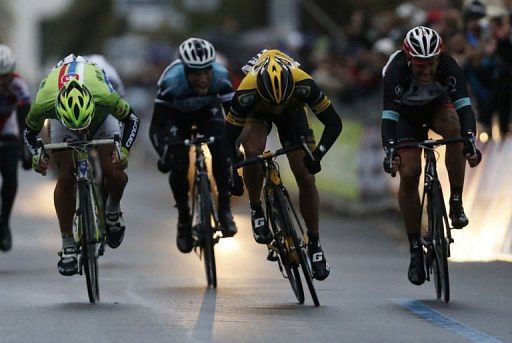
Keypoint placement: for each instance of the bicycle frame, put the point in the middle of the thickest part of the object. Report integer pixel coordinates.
(200, 176)
(430, 179)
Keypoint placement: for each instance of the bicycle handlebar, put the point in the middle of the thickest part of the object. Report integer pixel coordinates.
(116, 141)
(432, 143)
(271, 154)
(427, 144)
(199, 139)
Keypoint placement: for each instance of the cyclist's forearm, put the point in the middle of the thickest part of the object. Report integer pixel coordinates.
(131, 128)
(332, 128)
(157, 128)
(231, 135)
(388, 131)
(467, 120)
(30, 139)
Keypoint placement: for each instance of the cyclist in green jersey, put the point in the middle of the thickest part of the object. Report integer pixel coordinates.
(77, 97)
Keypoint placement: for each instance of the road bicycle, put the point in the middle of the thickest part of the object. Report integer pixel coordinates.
(206, 227)
(89, 219)
(289, 245)
(437, 237)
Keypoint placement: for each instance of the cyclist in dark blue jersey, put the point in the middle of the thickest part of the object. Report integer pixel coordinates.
(193, 90)
(424, 89)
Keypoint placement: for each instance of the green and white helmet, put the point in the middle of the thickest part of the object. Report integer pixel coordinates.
(74, 105)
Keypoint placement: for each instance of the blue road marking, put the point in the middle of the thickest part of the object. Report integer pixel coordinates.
(445, 322)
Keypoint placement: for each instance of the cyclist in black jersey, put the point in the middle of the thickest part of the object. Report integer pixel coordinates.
(424, 89)
(276, 91)
(193, 90)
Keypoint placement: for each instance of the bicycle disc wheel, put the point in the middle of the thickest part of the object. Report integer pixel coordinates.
(440, 246)
(89, 241)
(207, 243)
(291, 272)
(298, 243)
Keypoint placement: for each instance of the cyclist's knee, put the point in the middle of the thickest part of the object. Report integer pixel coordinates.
(409, 176)
(252, 149)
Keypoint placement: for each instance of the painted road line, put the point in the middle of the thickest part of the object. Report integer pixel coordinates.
(445, 322)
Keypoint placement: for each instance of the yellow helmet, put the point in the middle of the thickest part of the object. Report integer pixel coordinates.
(274, 80)
(74, 105)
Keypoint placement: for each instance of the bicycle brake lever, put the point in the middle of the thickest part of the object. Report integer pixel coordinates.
(306, 148)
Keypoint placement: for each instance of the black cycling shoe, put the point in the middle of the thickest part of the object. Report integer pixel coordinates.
(457, 215)
(227, 224)
(5, 237)
(184, 233)
(68, 264)
(115, 229)
(260, 229)
(319, 264)
(416, 272)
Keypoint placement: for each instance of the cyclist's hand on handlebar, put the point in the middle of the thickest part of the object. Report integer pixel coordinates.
(471, 153)
(121, 162)
(313, 166)
(40, 163)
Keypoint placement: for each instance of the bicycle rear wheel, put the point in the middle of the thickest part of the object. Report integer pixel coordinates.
(439, 245)
(299, 246)
(207, 242)
(89, 242)
(291, 271)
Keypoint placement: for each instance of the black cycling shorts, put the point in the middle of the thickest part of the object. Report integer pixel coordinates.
(415, 122)
(291, 125)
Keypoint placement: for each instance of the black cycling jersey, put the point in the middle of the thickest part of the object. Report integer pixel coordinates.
(404, 97)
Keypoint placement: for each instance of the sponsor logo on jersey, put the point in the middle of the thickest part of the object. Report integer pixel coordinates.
(68, 77)
(247, 98)
(451, 84)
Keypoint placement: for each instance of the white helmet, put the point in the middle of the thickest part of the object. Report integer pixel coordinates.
(197, 53)
(422, 42)
(7, 61)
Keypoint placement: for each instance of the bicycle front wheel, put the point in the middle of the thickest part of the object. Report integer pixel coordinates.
(299, 246)
(207, 241)
(89, 242)
(291, 269)
(439, 245)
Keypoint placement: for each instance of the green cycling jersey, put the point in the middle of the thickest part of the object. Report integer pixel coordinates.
(106, 100)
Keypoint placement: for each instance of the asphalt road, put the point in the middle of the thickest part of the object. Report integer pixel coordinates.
(152, 293)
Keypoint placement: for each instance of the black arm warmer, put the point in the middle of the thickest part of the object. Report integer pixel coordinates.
(157, 128)
(388, 131)
(230, 136)
(467, 120)
(332, 127)
(131, 127)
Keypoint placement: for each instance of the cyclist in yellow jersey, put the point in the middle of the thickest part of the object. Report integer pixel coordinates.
(78, 97)
(276, 91)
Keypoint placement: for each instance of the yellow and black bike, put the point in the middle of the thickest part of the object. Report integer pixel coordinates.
(289, 245)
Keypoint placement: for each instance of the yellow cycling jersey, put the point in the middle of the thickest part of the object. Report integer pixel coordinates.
(247, 100)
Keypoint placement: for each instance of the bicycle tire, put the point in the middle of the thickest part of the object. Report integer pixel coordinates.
(291, 271)
(207, 243)
(439, 245)
(298, 242)
(88, 243)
